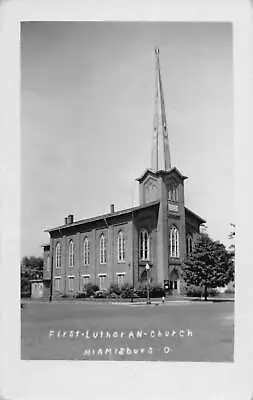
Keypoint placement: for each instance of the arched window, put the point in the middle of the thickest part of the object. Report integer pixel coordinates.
(58, 255)
(188, 244)
(173, 192)
(121, 247)
(174, 242)
(144, 245)
(86, 252)
(71, 253)
(102, 249)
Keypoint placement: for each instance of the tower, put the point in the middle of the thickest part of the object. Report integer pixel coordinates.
(161, 159)
(164, 184)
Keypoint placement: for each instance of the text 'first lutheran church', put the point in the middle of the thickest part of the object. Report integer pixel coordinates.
(116, 247)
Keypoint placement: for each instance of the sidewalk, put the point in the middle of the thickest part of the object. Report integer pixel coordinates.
(157, 301)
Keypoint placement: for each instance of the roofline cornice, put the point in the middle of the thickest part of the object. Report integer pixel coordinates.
(160, 172)
(104, 216)
(195, 215)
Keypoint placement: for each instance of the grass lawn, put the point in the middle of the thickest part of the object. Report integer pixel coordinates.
(91, 331)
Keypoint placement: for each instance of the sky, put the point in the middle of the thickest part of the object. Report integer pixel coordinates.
(87, 106)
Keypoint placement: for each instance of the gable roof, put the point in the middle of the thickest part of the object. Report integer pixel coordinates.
(45, 245)
(201, 220)
(148, 171)
(106, 216)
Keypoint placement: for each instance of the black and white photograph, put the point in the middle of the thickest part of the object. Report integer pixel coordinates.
(127, 212)
(125, 199)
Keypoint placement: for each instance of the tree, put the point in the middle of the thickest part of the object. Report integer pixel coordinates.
(231, 250)
(32, 262)
(210, 266)
(231, 236)
(31, 268)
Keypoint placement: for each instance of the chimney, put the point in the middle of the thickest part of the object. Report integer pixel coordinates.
(112, 208)
(65, 220)
(70, 218)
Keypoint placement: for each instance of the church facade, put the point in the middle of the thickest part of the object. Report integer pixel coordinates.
(117, 247)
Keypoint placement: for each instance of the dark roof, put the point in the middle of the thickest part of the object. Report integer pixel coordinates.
(150, 171)
(45, 245)
(202, 221)
(106, 216)
(160, 172)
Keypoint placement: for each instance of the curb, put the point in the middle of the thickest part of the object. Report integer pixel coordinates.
(128, 303)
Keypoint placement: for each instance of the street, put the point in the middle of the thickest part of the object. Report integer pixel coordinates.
(179, 331)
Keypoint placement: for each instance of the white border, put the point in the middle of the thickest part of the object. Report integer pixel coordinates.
(40, 380)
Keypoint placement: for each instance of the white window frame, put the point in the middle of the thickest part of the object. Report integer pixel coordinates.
(102, 249)
(102, 276)
(71, 253)
(85, 276)
(144, 245)
(86, 251)
(58, 286)
(71, 278)
(58, 255)
(121, 247)
(173, 193)
(189, 244)
(174, 242)
(120, 274)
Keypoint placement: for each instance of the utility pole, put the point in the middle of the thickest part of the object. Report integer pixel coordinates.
(148, 279)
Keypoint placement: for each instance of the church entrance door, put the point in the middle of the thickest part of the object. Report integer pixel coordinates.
(174, 283)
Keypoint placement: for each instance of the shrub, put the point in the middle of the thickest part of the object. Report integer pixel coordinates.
(141, 290)
(81, 295)
(194, 291)
(113, 295)
(65, 295)
(114, 288)
(128, 293)
(183, 288)
(100, 294)
(26, 293)
(90, 289)
(125, 286)
(230, 290)
(157, 291)
(212, 292)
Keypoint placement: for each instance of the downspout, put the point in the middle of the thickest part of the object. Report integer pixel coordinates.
(65, 265)
(133, 246)
(79, 262)
(107, 248)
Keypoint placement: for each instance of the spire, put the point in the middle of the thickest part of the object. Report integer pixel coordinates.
(160, 146)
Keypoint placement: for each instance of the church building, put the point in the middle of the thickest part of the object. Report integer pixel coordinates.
(117, 247)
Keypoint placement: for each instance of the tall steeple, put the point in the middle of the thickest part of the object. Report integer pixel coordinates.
(160, 145)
